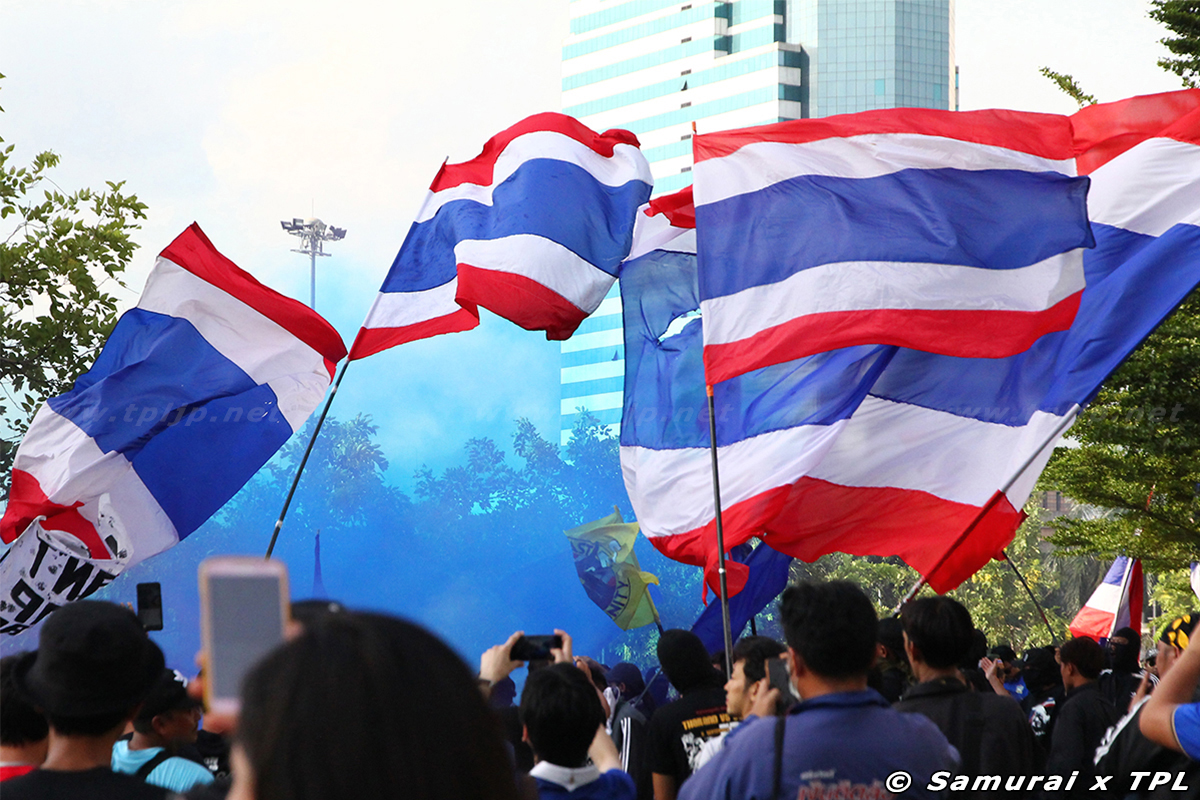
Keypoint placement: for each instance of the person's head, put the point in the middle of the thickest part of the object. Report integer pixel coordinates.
(750, 656)
(599, 672)
(685, 661)
(1124, 647)
(21, 725)
(938, 631)
(889, 640)
(561, 713)
(1008, 657)
(627, 679)
(366, 705)
(1081, 660)
(1041, 670)
(1174, 640)
(169, 717)
(977, 652)
(504, 691)
(830, 628)
(93, 666)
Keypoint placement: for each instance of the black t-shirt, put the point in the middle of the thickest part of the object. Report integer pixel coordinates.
(100, 783)
(678, 730)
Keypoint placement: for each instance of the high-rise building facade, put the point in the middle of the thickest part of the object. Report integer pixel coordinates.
(656, 67)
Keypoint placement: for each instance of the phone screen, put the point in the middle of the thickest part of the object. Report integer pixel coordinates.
(149, 606)
(246, 622)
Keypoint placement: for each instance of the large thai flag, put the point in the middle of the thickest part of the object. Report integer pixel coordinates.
(195, 389)
(532, 229)
(1116, 603)
(891, 451)
(955, 233)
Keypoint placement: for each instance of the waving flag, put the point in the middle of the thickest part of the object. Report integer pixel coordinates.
(195, 389)
(1116, 603)
(893, 451)
(533, 229)
(953, 232)
(609, 571)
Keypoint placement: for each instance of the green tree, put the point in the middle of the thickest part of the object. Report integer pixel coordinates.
(1138, 454)
(1181, 18)
(1070, 86)
(59, 262)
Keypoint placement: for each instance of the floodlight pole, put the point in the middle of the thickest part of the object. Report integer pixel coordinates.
(313, 233)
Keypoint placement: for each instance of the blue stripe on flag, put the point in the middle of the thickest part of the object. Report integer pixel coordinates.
(225, 441)
(152, 366)
(544, 197)
(1116, 573)
(943, 216)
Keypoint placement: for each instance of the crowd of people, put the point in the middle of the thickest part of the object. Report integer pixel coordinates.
(358, 705)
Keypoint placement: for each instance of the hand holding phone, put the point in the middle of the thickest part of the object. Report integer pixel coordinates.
(780, 678)
(535, 648)
(243, 614)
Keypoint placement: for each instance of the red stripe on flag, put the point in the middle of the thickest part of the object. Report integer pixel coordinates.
(519, 299)
(1092, 622)
(811, 518)
(1044, 135)
(193, 251)
(958, 332)
(372, 340)
(27, 501)
(679, 208)
(1105, 130)
(479, 170)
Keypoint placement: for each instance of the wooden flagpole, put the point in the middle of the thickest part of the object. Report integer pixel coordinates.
(1067, 419)
(307, 452)
(724, 587)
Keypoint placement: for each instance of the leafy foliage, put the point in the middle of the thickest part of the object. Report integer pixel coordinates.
(63, 255)
(1138, 457)
(1069, 85)
(1182, 18)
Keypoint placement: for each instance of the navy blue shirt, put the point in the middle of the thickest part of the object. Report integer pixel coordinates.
(833, 745)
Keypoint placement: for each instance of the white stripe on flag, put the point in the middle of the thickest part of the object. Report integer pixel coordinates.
(761, 164)
(656, 232)
(547, 262)
(874, 285)
(400, 309)
(626, 164)
(1149, 188)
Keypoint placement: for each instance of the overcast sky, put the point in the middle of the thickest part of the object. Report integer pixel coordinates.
(239, 114)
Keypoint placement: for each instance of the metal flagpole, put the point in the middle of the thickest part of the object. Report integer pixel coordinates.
(303, 461)
(1036, 604)
(1062, 426)
(724, 588)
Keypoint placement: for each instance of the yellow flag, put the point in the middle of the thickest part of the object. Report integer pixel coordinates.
(609, 571)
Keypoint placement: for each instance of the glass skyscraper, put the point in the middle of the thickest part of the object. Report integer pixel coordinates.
(655, 67)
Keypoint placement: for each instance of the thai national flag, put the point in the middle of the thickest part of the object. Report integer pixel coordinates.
(1116, 603)
(953, 232)
(880, 450)
(532, 229)
(195, 389)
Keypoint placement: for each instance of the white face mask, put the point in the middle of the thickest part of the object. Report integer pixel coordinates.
(612, 694)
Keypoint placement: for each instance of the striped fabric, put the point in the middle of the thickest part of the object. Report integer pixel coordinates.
(532, 229)
(195, 389)
(956, 233)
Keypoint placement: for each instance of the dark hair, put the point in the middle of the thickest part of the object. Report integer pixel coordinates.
(1085, 654)
(94, 725)
(366, 705)
(754, 652)
(940, 628)
(890, 633)
(562, 712)
(20, 722)
(685, 661)
(831, 626)
(977, 652)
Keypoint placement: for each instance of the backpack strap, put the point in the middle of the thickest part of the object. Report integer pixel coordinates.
(780, 729)
(145, 769)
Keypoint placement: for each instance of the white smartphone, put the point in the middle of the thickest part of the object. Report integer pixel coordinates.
(243, 615)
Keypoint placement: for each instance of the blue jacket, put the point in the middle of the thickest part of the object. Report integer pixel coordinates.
(832, 745)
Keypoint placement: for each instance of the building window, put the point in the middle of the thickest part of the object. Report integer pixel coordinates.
(685, 40)
(686, 169)
(685, 105)
(685, 72)
(685, 8)
(685, 137)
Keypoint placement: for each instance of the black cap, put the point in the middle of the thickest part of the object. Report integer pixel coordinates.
(92, 658)
(169, 693)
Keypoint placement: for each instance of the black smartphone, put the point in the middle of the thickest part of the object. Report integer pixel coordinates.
(535, 648)
(777, 671)
(149, 606)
